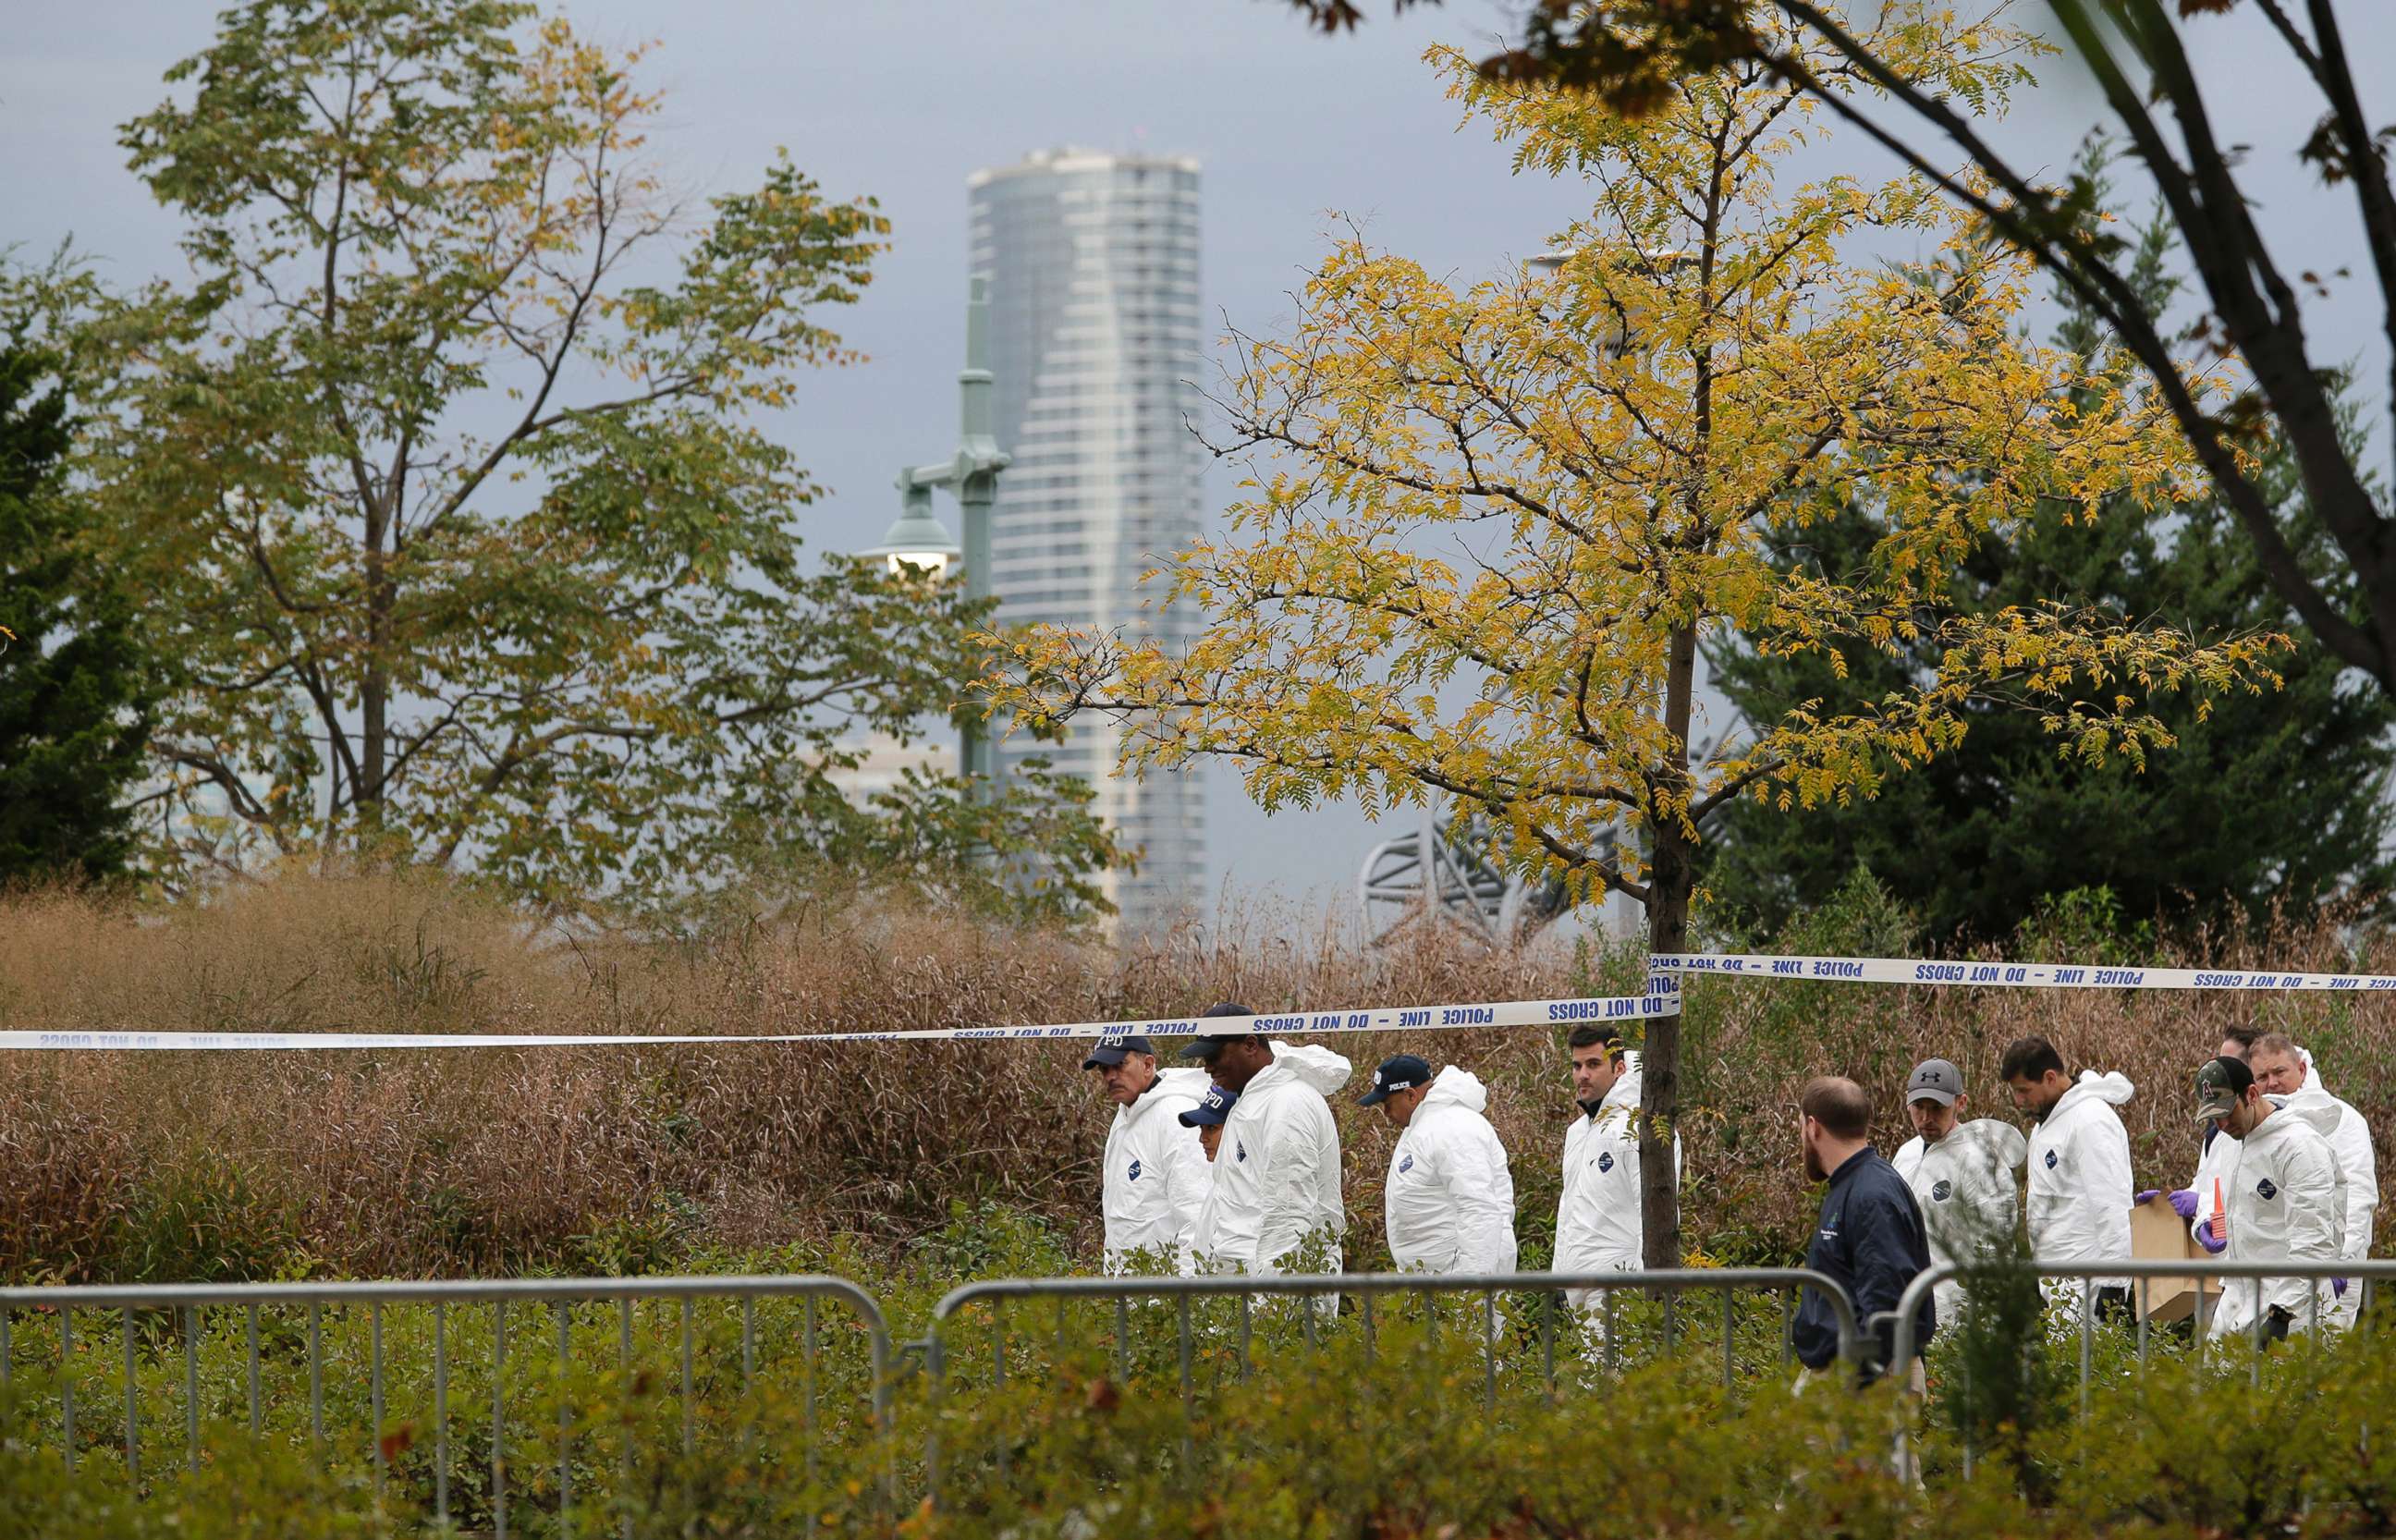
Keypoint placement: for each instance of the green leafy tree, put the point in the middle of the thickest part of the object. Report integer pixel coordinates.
(1486, 529)
(444, 480)
(2163, 94)
(74, 691)
(2265, 801)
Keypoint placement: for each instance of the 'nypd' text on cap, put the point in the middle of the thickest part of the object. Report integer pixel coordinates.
(1114, 1048)
(1211, 1109)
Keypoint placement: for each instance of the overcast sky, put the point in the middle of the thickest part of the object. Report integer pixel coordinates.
(903, 99)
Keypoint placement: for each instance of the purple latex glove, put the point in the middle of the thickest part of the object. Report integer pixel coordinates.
(2183, 1202)
(2138, 1200)
(2338, 1288)
(2204, 1238)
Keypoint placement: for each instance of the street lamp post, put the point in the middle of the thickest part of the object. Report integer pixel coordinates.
(917, 540)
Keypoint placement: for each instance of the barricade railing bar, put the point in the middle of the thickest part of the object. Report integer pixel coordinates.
(147, 1339)
(2141, 1275)
(1246, 1289)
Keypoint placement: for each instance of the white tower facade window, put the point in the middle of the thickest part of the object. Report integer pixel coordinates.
(1095, 342)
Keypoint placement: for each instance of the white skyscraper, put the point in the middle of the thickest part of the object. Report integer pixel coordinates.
(1095, 339)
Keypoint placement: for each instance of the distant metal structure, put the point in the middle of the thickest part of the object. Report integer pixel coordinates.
(1436, 875)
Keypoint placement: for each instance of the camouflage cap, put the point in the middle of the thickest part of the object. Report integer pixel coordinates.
(2219, 1086)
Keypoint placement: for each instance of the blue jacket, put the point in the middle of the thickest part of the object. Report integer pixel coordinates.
(1870, 1241)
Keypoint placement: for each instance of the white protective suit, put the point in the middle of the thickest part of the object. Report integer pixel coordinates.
(2287, 1199)
(1968, 1193)
(1449, 1201)
(2080, 1182)
(1156, 1176)
(1277, 1169)
(2357, 1162)
(2349, 1141)
(1597, 1217)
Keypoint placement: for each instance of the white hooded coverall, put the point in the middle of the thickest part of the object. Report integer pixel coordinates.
(1968, 1193)
(1277, 1169)
(1449, 1201)
(1597, 1216)
(2080, 1181)
(1156, 1176)
(2349, 1141)
(2357, 1162)
(2287, 1199)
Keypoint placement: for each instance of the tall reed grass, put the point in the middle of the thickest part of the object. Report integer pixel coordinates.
(149, 1166)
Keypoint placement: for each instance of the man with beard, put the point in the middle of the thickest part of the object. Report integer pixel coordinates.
(1962, 1173)
(2194, 1202)
(2080, 1188)
(2285, 1195)
(1869, 1239)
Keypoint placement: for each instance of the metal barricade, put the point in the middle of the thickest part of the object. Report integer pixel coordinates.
(2366, 1276)
(1245, 1288)
(148, 1338)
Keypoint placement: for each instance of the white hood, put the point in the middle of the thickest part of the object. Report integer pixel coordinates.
(2112, 1088)
(2317, 1109)
(1309, 1064)
(2312, 1081)
(1456, 1086)
(1449, 1199)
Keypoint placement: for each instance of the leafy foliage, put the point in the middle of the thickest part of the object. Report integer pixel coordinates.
(76, 689)
(1272, 1431)
(1640, 54)
(444, 477)
(1489, 528)
(2178, 840)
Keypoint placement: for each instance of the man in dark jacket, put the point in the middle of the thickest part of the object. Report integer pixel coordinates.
(1870, 1238)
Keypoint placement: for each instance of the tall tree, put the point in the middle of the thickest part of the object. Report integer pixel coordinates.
(1636, 52)
(1487, 530)
(2262, 802)
(444, 479)
(74, 690)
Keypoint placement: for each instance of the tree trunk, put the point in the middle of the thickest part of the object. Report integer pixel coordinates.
(374, 691)
(1672, 878)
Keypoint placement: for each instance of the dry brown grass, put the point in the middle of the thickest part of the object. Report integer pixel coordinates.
(140, 1164)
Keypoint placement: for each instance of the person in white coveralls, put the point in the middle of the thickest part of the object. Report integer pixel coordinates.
(1961, 1171)
(2080, 1184)
(1449, 1199)
(2283, 1069)
(1155, 1175)
(2194, 1202)
(1598, 1226)
(2286, 1198)
(1275, 1196)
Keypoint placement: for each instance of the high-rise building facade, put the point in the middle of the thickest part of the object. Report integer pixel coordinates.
(1095, 341)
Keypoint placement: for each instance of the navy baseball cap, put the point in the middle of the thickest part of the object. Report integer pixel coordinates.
(1212, 1110)
(1207, 1044)
(1402, 1073)
(1114, 1048)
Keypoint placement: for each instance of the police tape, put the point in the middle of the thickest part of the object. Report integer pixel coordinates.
(1395, 1019)
(1673, 966)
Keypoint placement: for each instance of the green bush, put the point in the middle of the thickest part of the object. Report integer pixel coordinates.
(1103, 1421)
